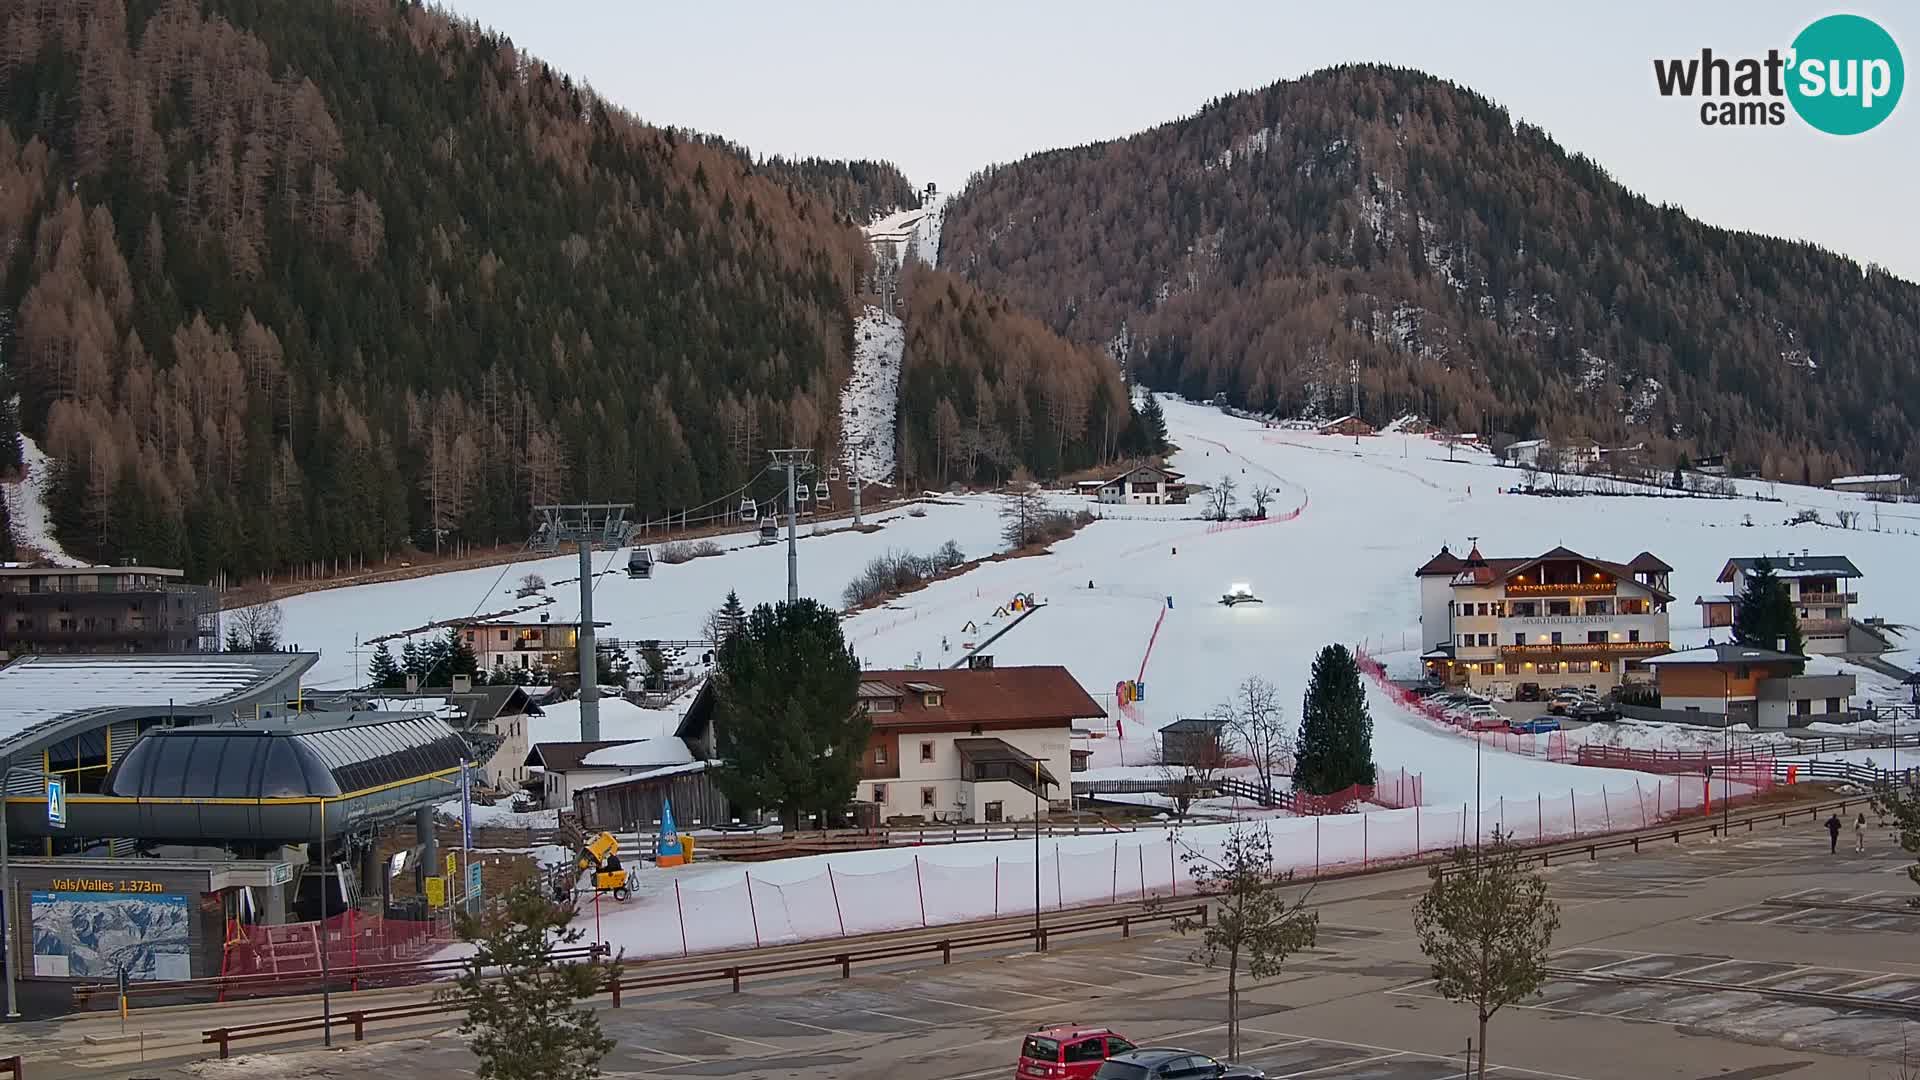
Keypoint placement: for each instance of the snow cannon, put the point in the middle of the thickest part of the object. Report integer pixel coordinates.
(1240, 593)
(602, 855)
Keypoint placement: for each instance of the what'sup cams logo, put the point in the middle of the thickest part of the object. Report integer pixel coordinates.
(1842, 75)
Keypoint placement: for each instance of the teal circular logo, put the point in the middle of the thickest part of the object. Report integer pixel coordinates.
(1846, 75)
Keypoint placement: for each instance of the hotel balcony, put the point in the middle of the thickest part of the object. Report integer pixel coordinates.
(1585, 650)
(1577, 588)
(1824, 627)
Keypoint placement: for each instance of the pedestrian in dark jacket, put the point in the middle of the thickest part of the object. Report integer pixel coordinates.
(1833, 833)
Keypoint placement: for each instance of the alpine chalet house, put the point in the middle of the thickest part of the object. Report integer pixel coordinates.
(525, 644)
(1820, 586)
(974, 745)
(1555, 619)
(1147, 484)
(1746, 685)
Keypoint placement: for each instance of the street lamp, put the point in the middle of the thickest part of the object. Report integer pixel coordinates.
(1038, 940)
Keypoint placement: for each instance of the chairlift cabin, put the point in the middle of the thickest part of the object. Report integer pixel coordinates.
(749, 512)
(640, 563)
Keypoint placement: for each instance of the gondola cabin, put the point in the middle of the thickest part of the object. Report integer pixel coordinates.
(640, 563)
(769, 530)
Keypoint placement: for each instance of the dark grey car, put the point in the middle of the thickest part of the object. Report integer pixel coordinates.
(1169, 1063)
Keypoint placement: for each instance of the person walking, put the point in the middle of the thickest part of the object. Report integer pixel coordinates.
(1833, 833)
(1860, 835)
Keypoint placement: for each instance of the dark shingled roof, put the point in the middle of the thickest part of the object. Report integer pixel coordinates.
(1040, 695)
(1648, 562)
(1446, 563)
(562, 756)
(1837, 565)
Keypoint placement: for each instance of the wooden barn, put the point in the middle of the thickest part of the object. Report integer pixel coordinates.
(1346, 425)
(633, 803)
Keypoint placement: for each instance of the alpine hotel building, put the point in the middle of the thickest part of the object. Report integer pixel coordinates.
(1556, 619)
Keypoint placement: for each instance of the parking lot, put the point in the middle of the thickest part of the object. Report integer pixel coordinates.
(1694, 944)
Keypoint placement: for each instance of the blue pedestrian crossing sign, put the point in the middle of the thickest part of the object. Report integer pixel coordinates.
(56, 802)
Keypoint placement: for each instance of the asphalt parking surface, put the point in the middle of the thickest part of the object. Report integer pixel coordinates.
(1742, 917)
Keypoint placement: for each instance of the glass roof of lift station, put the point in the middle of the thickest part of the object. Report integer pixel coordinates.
(312, 754)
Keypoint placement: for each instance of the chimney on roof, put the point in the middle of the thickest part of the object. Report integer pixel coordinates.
(463, 684)
(1780, 644)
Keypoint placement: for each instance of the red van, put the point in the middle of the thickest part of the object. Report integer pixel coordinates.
(1067, 1053)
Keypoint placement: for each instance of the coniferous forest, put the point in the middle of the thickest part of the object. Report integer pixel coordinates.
(320, 281)
(1474, 271)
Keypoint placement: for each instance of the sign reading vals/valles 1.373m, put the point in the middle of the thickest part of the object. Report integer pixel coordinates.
(98, 885)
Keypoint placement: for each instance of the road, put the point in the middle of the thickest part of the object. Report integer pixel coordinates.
(1771, 909)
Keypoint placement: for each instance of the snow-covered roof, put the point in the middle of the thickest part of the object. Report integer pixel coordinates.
(642, 753)
(1875, 478)
(650, 774)
(1724, 654)
(39, 692)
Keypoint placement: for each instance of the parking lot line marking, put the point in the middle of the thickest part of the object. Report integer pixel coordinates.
(1338, 1065)
(811, 1027)
(962, 1004)
(1390, 1051)
(669, 1053)
(902, 1019)
(735, 1038)
(1016, 993)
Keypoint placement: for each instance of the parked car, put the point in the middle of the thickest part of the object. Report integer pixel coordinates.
(1487, 723)
(1564, 700)
(1592, 712)
(1067, 1053)
(1535, 726)
(1169, 1063)
(1527, 691)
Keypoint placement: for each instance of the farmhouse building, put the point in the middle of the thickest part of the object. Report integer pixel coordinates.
(1820, 586)
(1148, 484)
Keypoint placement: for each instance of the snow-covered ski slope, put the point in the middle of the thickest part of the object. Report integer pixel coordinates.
(26, 500)
(1341, 570)
(914, 233)
(872, 396)
(670, 606)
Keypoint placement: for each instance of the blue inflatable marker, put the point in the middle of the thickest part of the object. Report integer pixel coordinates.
(669, 852)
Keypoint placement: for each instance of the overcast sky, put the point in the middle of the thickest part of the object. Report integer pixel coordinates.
(943, 89)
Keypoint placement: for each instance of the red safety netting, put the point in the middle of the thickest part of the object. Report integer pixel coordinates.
(351, 940)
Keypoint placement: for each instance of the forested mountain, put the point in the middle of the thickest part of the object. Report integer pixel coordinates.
(1474, 270)
(985, 389)
(856, 189)
(292, 282)
(306, 280)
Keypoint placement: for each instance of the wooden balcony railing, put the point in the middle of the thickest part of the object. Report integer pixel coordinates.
(1584, 650)
(1829, 598)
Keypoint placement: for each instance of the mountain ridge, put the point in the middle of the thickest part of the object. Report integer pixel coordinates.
(1474, 270)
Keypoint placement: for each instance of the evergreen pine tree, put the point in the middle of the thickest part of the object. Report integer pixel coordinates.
(785, 718)
(732, 614)
(1763, 614)
(1336, 731)
(412, 662)
(523, 1014)
(382, 672)
(233, 641)
(460, 656)
(1153, 426)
